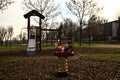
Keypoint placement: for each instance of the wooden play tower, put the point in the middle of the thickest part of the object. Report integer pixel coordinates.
(39, 28)
(38, 36)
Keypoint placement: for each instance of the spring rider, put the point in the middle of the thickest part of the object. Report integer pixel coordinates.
(63, 52)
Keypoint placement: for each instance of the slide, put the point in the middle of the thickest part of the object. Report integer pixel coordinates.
(31, 47)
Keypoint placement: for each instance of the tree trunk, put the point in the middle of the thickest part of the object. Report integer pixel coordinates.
(10, 41)
(80, 42)
(1, 43)
(89, 40)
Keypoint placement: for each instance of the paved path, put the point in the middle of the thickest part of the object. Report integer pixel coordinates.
(107, 46)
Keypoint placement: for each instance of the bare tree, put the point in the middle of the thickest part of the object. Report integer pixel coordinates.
(24, 39)
(4, 4)
(82, 9)
(14, 41)
(46, 7)
(2, 34)
(91, 27)
(94, 28)
(68, 28)
(19, 38)
(6, 37)
(10, 33)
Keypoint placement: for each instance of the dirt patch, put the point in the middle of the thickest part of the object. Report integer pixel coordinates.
(43, 66)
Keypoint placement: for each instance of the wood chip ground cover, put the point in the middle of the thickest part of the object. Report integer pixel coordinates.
(44, 66)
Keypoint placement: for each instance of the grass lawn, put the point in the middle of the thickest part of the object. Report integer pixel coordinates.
(95, 56)
(20, 48)
(13, 48)
(5, 59)
(102, 57)
(95, 63)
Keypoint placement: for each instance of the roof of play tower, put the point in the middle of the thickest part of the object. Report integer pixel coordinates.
(34, 13)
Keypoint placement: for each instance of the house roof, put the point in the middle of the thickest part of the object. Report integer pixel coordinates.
(34, 13)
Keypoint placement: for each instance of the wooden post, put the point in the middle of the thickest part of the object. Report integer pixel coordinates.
(40, 31)
(28, 27)
(37, 38)
(59, 34)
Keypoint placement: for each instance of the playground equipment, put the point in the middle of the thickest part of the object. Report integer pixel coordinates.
(31, 46)
(63, 52)
(28, 15)
(39, 28)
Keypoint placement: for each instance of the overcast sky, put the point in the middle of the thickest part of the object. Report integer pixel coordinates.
(14, 14)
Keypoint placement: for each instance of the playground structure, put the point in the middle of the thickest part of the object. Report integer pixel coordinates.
(38, 29)
(31, 46)
(34, 39)
(28, 15)
(63, 52)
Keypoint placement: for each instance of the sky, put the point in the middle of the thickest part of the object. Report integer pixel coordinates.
(13, 16)
(111, 9)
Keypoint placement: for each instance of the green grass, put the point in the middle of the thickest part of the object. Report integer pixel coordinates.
(21, 48)
(84, 45)
(48, 47)
(99, 57)
(13, 48)
(5, 59)
(108, 42)
(103, 42)
(94, 43)
(24, 47)
(75, 45)
(102, 57)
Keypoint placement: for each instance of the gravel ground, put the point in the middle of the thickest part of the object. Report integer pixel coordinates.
(44, 67)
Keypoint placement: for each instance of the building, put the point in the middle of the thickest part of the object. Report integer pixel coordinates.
(105, 31)
(109, 30)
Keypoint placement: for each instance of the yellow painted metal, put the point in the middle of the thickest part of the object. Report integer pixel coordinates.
(63, 64)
